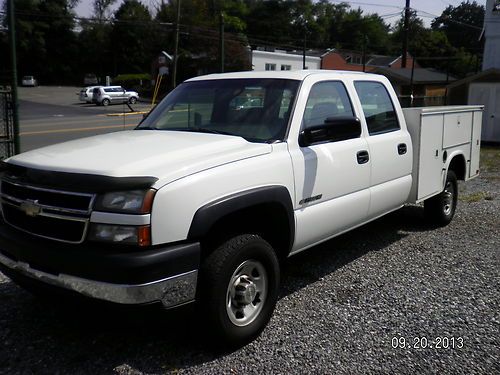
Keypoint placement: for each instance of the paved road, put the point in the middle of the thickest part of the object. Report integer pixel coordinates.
(51, 115)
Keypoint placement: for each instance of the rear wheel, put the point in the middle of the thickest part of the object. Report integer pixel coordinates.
(239, 285)
(440, 209)
(105, 102)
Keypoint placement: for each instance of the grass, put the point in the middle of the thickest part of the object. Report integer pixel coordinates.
(475, 197)
(490, 159)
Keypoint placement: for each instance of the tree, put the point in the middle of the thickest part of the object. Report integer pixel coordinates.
(462, 25)
(131, 38)
(432, 48)
(199, 37)
(355, 29)
(102, 9)
(46, 43)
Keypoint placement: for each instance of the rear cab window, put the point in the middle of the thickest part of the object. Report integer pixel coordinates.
(377, 107)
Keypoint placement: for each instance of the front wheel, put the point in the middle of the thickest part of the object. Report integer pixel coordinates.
(239, 285)
(440, 209)
(132, 100)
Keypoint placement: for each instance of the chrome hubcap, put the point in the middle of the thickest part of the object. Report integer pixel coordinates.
(449, 193)
(246, 293)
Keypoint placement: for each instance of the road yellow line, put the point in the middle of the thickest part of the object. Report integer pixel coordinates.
(77, 129)
(127, 113)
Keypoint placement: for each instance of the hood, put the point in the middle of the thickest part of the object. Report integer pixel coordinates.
(166, 155)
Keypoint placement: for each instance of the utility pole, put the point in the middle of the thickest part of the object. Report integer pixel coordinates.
(405, 34)
(13, 61)
(411, 80)
(304, 49)
(221, 41)
(365, 40)
(176, 45)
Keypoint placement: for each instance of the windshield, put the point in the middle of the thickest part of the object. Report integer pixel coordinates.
(255, 109)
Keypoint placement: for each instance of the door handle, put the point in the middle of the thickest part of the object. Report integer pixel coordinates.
(363, 157)
(402, 148)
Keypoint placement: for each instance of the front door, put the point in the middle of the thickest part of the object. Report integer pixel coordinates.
(332, 179)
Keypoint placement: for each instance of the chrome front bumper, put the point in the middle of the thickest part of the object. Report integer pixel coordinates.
(172, 291)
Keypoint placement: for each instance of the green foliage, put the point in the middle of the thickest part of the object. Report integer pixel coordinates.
(131, 37)
(433, 47)
(140, 82)
(57, 48)
(462, 25)
(47, 46)
(132, 80)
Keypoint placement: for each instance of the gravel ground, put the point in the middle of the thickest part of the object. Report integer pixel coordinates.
(341, 305)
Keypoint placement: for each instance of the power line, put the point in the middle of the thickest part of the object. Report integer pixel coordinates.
(448, 19)
(369, 4)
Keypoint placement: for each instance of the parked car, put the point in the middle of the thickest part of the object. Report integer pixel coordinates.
(105, 95)
(29, 81)
(87, 93)
(90, 79)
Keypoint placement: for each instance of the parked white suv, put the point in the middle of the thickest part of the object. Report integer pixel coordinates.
(86, 94)
(29, 81)
(105, 95)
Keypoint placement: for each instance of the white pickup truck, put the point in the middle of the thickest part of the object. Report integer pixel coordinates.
(226, 177)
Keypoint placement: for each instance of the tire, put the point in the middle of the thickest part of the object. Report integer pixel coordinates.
(132, 100)
(440, 209)
(239, 287)
(105, 102)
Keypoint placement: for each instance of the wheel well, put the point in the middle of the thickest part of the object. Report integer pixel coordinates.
(457, 165)
(268, 220)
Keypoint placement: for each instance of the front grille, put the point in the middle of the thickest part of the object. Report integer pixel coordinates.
(46, 197)
(53, 214)
(45, 226)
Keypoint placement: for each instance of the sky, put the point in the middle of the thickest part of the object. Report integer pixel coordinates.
(387, 8)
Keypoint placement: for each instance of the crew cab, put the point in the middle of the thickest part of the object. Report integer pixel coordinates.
(226, 177)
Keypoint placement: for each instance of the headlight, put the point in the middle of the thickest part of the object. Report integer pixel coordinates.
(122, 234)
(131, 202)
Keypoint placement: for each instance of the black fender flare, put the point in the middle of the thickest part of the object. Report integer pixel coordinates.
(207, 215)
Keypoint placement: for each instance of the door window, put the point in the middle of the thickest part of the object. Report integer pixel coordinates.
(326, 100)
(377, 107)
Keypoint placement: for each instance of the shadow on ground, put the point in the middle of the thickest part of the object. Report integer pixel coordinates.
(40, 338)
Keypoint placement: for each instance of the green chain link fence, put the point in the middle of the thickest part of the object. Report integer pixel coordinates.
(6, 124)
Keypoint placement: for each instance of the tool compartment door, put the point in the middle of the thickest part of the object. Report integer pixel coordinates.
(430, 158)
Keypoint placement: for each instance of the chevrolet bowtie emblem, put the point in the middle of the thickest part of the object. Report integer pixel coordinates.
(31, 208)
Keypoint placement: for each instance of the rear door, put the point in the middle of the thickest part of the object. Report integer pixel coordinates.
(332, 179)
(389, 146)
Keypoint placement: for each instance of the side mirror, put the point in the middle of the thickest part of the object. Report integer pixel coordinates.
(332, 130)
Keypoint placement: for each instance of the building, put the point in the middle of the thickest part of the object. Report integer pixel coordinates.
(484, 87)
(353, 60)
(491, 34)
(283, 60)
(418, 86)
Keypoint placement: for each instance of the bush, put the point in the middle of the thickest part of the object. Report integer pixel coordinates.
(133, 81)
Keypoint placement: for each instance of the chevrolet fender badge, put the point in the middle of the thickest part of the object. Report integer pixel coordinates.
(31, 208)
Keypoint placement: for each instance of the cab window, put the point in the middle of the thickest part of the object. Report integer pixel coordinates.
(326, 100)
(377, 106)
